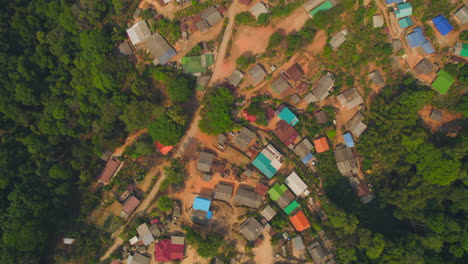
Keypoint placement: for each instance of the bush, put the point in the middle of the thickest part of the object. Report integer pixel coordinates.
(165, 203)
(275, 40)
(263, 19)
(244, 18)
(243, 62)
(181, 89)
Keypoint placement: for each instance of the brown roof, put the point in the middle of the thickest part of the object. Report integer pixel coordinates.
(109, 170)
(424, 67)
(321, 117)
(301, 87)
(286, 133)
(295, 72)
(436, 115)
(362, 189)
(245, 2)
(130, 205)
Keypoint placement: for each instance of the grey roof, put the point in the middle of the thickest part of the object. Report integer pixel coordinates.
(320, 92)
(124, 49)
(204, 161)
(378, 21)
(258, 9)
(251, 229)
(396, 44)
(211, 15)
(436, 114)
(317, 253)
(235, 78)
(424, 67)
(155, 230)
(376, 78)
(140, 259)
(285, 199)
(297, 243)
(206, 177)
(268, 212)
(145, 234)
(222, 139)
(295, 99)
(257, 74)
(280, 85)
(202, 25)
(303, 149)
(462, 14)
(346, 161)
(137, 13)
(243, 138)
(321, 117)
(177, 240)
(338, 39)
(248, 198)
(312, 4)
(355, 125)
(139, 32)
(350, 98)
(159, 48)
(203, 80)
(223, 192)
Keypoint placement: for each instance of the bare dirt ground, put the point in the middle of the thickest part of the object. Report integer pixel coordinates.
(193, 258)
(168, 10)
(319, 42)
(264, 252)
(435, 125)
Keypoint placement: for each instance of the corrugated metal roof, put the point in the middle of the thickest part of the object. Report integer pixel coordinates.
(404, 10)
(442, 25)
(288, 116)
(291, 207)
(299, 221)
(443, 82)
(323, 7)
(348, 138)
(416, 38)
(296, 184)
(405, 22)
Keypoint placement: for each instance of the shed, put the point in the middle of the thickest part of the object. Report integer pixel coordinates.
(356, 124)
(145, 234)
(251, 229)
(280, 85)
(140, 259)
(350, 98)
(268, 212)
(378, 21)
(405, 22)
(443, 82)
(297, 243)
(321, 117)
(327, 5)
(396, 44)
(303, 149)
(377, 78)
(296, 184)
(442, 25)
(404, 10)
(286, 133)
(109, 170)
(257, 74)
(235, 78)
(206, 177)
(295, 72)
(204, 161)
(424, 67)
(338, 39)
(202, 25)
(321, 91)
(223, 192)
(277, 191)
(258, 9)
(287, 115)
(211, 15)
(462, 14)
(244, 138)
(299, 221)
(138, 32)
(247, 198)
(159, 48)
(317, 253)
(348, 138)
(461, 49)
(321, 144)
(346, 161)
(436, 115)
(291, 207)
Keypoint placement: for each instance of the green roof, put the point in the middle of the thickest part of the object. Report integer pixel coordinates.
(291, 207)
(404, 10)
(323, 7)
(443, 82)
(197, 64)
(405, 22)
(276, 191)
(464, 50)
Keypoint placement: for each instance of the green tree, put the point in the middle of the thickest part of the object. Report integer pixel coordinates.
(165, 203)
(275, 40)
(165, 130)
(216, 112)
(378, 245)
(137, 115)
(181, 89)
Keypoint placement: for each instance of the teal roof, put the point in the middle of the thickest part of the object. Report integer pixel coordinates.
(404, 10)
(405, 22)
(291, 207)
(323, 7)
(263, 164)
(464, 50)
(288, 116)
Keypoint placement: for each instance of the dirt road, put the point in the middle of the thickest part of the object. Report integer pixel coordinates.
(264, 252)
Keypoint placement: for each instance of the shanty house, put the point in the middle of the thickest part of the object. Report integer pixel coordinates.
(258, 9)
(364, 193)
(297, 243)
(350, 98)
(321, 117)
(223, 192)
(299, 221)
(297, 185)
(436, 115)
(424, 67)
(286, 133)
(211, 15)
(110, 169)
(321, 144)
(462, 15)
(378, 21)
(321, 91)
(442, 25)
(235, 78)
(257, 74)
(247, 198)
(346, 161)
(461, 49)
(204, 161)
(268, 161)
(138, 32)
(268, 213)
(145, 234)
(129, 207)
(396, 44)
(159, 48)
(355, 125)
(404, 10)
(280, 85)
(244, 138)
(443, 82)
(338, 39)
(317, 253)
(287, 115)
(251, 229)
(377, 78)
(295, 72)
(303, 150)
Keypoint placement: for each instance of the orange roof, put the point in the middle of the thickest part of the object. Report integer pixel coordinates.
(321, 144)
(299, 221)
(163, 149)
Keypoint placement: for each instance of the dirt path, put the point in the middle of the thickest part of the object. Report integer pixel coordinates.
(130, 140)
(264, 253)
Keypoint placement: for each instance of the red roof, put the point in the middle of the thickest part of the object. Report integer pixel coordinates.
(154, 221)
(245, 2)
(261, 189)
(250, 118)
(285, 132)
(165, 251)
(163, 149)
(109, 170)
(130, 205)
(362, 189)
(321, 144)
(299, 221)
(295, 72)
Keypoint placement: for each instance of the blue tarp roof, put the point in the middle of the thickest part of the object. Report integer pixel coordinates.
(202, 204)
(209, 214)
(442, 25)
(348, 138)
(394, 1)
(307, 158)
(416, 39)
(427, 47)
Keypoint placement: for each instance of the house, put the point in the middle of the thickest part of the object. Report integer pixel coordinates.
(350, 98)
(377, 78)
(258, 9)
(244, 138)
(295, 72)
(442, 25)
(396, 44)
(159, 49)
(245, 2)
(277, 191)
(286, 133)
(235, 78)
(251, 229)
(304, 151)
(348, 138)
(327, 5)
(283, 197)
(269, 161)
(223, 192)
(291, 207)
(321, 144)
(297, 243)
(424, 67)
(145, 234)
(201, 210)
(110, 169)
(170, 249)
(247, 198)
(378, 21)
(137, 13)
(138, 258)
(321, 91)
(200, 203)
(202, 25)
(204, 161)
(317, 253)
(257, 74)
(355, 125)
(197, 64)
(124, 49)
(312, 4)
(297, 185)
(461, 49)
(462, 15)
(261, 189)
(281, 86)
(299, 221)
(129, 207)
(404, 10)
(436, 115)
(211, 15)
(154, 229)
(302, 87)
(295, 99)
(138, 32)
(268, 213)
(346, 161)
(405, 22)
(338, 39)
(364, 193)
(321, 117)
(443, 82)
(287, 115)
(417, 39)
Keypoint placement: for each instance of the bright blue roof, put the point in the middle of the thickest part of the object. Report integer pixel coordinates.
(348, 138)
(202, 204)
(394, 1)
(442, 25)
(307, 158)
(264, 165)
(288, 116)
(427, 47)
(209, 214)
(416, 38)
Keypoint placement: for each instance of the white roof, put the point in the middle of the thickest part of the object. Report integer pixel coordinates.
(378, 21)
(145, 234)
(139, 32)
(133, 240)
(258, 9)
(296, 184)
(68, 241)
